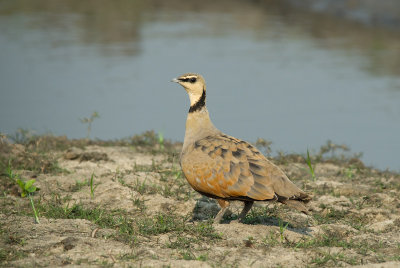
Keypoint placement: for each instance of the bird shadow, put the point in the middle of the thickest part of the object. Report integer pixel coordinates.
(207, 208)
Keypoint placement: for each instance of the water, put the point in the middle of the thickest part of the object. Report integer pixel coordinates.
(292, 77)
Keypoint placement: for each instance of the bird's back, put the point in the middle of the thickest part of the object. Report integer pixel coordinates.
(224, 167)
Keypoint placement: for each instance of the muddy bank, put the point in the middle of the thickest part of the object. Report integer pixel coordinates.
(126, 204)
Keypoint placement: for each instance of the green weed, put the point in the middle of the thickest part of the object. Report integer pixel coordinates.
(282, 229)
(139, 203)
(154, 143)
(324, 240)
(332, 148)
(92, 186)
(359, 204)
(3, 255)
(128, 227)
(202, 257)
(142, 187)
(22, 136)
(181, 242)
(308, 161)
(267, 215)
(88, 182)
(188, 255)
(89, 121)
(129, 256)
(161, 140)
(78, 185)
(28, 152)
(340, 216)
(270, 239)
(349, 172)
(9, 254)
(27, 188)
(324, 257)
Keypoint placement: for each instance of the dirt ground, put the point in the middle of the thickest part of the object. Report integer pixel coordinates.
(128, 205)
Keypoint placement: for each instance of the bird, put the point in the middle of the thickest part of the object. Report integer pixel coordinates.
(225, 168)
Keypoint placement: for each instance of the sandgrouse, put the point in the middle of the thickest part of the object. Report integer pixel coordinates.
(225, 168)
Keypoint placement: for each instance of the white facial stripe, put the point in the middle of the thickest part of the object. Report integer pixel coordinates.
(188, 77)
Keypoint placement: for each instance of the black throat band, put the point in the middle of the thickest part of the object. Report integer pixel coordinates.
(199, 104)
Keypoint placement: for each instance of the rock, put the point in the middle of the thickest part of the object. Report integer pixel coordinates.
(78, 154)
(73, 153)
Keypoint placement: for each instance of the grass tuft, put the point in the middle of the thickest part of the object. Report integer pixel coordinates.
(311, 168)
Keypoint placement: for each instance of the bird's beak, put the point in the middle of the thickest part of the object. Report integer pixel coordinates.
(175, 80)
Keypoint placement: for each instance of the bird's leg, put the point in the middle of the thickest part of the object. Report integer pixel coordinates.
(224, 206)
(246, 208)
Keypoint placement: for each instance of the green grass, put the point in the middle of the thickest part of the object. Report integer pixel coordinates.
(92, 185)
(161, 140)
(343, 216)
(311, 168)
(117, 220)
(171, 184)
(56, 210)
(152, 142)
(143, 187)
(78, 185)
(9, 252)
(270, 240)
(325, 258)
(282, 229)
(324, 240)
(139, 203)
(165, 223)
(331, 239)
(129, 226)
(263, 215)
(26, 151)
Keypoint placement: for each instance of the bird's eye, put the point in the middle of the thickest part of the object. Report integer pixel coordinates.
(193, 80)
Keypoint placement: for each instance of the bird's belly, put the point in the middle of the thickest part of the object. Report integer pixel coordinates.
(208, 181)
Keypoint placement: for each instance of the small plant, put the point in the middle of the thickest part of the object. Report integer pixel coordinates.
(92, 186)
(89, 121)
(249, 242)
(270, 239)
(308, 161)
(202, 257)
(78, 185)
(188, 255)
(282, 228)
(349, 172)
(360, 204)
(22, 136)
(332, 148)
(27, 188)
(139, 203)
(161, 140)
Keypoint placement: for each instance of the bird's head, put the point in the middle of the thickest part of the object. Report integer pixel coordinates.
(194, 85)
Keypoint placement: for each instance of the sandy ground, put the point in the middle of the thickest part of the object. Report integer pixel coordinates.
(148, 216)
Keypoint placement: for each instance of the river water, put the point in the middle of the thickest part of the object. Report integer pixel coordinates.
(291, 76)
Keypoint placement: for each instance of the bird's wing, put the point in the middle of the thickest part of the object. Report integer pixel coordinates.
(226, 167)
